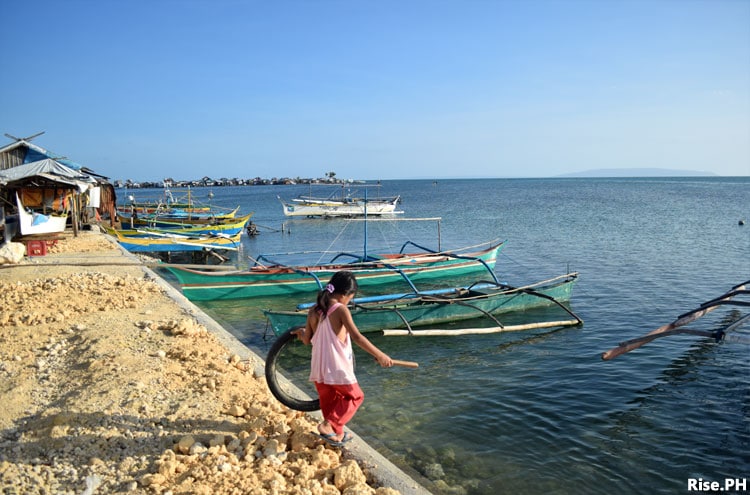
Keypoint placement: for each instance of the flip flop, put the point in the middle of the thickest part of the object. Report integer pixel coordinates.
(328, 437)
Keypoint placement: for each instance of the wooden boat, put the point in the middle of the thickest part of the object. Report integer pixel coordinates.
(305, 206)
(153, 207)
(38, 223)
(673, 328)
(172, 220)
(484, 300)
(184, 203)
(231, 228)
(260, 280)
(339, 205)
(178, 243)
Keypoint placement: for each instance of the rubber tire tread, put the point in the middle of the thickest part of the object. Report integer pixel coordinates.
(273, 383)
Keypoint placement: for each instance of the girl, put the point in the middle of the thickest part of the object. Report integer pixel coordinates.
(331, 330)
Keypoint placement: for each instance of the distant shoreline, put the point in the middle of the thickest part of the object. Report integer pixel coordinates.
(591, 174)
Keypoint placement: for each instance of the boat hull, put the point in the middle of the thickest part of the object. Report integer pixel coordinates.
(229, 229)
(177, 243)
(35, 223)
(339, 208)
(175, 246)
(457, 306)
(199, 285)
(177, 220)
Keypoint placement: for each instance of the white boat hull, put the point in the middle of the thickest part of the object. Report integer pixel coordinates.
(301, 208)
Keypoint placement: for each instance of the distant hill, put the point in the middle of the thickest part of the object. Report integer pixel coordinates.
(638, 172)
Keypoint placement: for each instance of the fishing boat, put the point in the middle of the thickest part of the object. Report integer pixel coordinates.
(184, 202)
(423, 308)
(168, 242)
(278, 279)
(674, 328)
(236, 226)
(156, 207)
(339, 205)
(176, 219)
(37, 223)
(183, 209)
(312, 207)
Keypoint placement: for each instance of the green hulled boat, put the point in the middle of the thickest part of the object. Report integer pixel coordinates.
(377, 270)
(441, 306)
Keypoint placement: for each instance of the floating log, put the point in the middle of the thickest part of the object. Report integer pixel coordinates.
(435, 332)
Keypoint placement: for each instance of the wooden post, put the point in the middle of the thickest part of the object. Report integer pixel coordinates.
(74, 213)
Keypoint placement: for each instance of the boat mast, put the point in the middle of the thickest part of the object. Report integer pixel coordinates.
(365, 248)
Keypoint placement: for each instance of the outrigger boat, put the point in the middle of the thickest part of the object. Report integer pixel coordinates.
(673, 328)
(155, 207)
(168, 242)
(236, 226)
(343, 205)
(165, 219)
(278, 279)
(166, 211)
(167, 203)
(306, 206)
(422, 308)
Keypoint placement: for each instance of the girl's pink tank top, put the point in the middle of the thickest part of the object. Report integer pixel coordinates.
(332, 361)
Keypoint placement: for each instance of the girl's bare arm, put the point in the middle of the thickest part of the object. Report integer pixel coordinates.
(305, 333)
(362, 341)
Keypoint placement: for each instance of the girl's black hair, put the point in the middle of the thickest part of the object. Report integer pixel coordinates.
(343, 283)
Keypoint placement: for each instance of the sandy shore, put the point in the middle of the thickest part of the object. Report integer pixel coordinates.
(110, 384)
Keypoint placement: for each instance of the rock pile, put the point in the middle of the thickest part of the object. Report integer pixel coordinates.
(107, 386)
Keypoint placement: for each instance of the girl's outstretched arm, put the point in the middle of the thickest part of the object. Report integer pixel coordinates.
(383, 359)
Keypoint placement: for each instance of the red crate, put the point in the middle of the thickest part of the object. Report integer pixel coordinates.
(36, 248)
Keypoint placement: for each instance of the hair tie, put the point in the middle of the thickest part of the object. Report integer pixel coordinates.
(330, 288)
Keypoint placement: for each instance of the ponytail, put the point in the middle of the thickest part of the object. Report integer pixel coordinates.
(341, 283)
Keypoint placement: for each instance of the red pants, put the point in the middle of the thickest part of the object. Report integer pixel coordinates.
(338, 403)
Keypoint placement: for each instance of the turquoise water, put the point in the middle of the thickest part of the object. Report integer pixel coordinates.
(540, 411)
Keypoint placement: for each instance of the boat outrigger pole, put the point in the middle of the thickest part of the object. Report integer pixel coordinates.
(689, 317)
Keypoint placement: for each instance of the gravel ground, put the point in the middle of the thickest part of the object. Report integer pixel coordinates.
(108, 386)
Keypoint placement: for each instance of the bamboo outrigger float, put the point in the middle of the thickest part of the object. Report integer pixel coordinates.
(674, 327)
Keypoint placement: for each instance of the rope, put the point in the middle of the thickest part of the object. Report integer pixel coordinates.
(257, 263)
(335, 239)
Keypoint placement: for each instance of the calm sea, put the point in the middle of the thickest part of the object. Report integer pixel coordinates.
(540, 412)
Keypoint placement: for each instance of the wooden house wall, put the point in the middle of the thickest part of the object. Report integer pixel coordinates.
(12, 158)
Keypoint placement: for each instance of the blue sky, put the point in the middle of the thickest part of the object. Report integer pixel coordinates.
(379, 89)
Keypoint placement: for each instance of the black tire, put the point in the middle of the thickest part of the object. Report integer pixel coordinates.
(290, 356)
